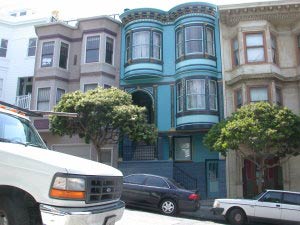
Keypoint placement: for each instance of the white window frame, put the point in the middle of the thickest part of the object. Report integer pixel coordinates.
(178, 97)
(201, 94)
(189, 40)
(69, 46)
(107, 149)
(85, 43)
(212, 41)
(37, 97)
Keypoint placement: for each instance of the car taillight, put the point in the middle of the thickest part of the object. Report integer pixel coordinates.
(194, 197)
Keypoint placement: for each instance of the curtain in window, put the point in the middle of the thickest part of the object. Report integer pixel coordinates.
(259, 94)
(156, 45)
(255, 47)
(179, 44)
(140, 48)
(182, 148)
(194, 39)
(195, 94)
(179, 92)
(92, 49)
(43, 99)
(210, 41)
(212, 95)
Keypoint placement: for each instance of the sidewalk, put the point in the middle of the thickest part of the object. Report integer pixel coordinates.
(204, 212)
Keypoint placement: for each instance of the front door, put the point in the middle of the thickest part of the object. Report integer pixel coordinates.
(212, 178)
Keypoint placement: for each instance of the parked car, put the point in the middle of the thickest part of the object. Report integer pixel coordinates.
(158, 193)
(275, 206)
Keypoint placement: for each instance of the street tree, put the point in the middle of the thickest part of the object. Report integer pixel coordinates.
(258, 132)
(103, 116)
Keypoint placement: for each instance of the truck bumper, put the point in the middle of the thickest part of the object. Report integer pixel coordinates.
(94, 215)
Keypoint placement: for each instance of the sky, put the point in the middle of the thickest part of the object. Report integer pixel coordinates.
(74, 9)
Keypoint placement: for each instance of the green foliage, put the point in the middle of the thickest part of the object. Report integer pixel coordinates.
(265, 130)
(104, 115)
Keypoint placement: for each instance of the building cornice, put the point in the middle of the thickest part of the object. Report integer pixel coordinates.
(276, 12)
(169, 16)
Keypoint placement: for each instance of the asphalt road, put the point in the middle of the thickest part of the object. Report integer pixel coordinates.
(139, 217)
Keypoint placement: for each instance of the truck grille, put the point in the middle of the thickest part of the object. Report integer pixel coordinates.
(102, 189)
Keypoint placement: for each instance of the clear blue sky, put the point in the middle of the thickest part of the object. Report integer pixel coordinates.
(73, 9)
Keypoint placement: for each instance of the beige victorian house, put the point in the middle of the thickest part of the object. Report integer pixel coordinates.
(260, 55)
(74, 57)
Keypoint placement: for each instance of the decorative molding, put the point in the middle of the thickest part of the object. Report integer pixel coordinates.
(288, 13)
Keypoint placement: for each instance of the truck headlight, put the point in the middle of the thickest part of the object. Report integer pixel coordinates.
(68, 187)
(216, 204)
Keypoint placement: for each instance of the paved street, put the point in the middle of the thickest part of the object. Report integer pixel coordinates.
(139, 217)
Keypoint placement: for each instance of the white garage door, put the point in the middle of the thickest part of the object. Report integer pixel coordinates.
(82, 150)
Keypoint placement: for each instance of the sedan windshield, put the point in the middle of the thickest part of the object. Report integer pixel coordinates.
(18, 131)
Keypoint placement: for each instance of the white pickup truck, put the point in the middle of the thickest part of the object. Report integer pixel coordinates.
(42, 187)
(273, 206)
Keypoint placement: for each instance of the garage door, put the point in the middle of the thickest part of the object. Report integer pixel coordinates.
(83, 151)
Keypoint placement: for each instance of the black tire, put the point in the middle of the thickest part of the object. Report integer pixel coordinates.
(13, 211)
(168, 207)
(237, 217)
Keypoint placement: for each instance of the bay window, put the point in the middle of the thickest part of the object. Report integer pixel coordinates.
(63, 55)
(255, 49)
(179, 91)
(59, 93)
(235, 52)
(43, 99)
(109, 50)
(213, 95)
(195, 39)
(144, 45)
(274, 49)
(238, 98)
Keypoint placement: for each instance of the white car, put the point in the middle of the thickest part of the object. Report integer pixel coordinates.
(275, 206)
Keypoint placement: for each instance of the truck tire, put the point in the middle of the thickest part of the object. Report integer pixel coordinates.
(13, 212)
(237, 217)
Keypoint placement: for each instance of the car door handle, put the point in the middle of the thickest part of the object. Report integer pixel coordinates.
(277, 205)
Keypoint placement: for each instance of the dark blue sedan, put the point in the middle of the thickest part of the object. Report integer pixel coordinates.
(158, 193)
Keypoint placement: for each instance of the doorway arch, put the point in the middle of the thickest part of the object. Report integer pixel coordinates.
(143, 99)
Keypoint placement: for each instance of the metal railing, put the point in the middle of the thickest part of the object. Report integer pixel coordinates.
(184, 179)
(23, 101)
(139, 152)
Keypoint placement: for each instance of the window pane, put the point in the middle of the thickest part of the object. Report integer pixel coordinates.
(32, 46)
(128, 47)
(4, 43)
(156, 182)
(59, 94)
(210, 41)
(255, 54)
(258, 94)
(239, 98)
(195, 91)
(272, 197)
(43, 99)
(156, 45)
(194, 39)
(213, 95)
(47, 54)
(278, 96)
(179, 44)
(290, 198)
(3, 47)
(179, 92)
(182, 148)
(92, 49)
(236, 57)
(134, 179)
(63, 58)
(140, 46)
(89, 87)
(254, 40)
(109, 50)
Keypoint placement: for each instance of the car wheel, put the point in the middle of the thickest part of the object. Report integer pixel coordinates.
(237, 217)
(168, 207)
(13, 211)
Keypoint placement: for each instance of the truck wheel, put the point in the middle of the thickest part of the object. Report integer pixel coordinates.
(13, 212)
(168, 207)
(237, 217)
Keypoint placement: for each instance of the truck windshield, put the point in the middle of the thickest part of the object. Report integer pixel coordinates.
(19, 131)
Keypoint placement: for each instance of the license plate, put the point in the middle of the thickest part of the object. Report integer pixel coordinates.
(110, 220)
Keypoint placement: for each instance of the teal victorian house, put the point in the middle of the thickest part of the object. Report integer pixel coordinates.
(171, 64)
